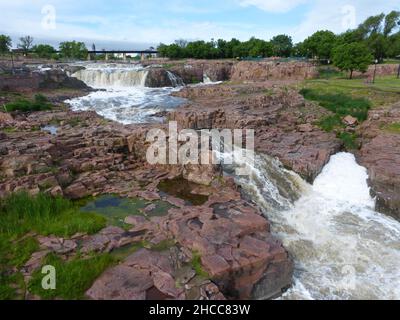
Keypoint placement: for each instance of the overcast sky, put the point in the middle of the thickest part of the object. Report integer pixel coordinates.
(121, 24)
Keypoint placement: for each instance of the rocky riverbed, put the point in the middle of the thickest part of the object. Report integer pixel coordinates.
(80, 154)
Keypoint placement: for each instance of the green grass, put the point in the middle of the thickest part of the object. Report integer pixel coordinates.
(349, 140)
(393, 128)
(340, 104)
(73, 278)
(330, 123)
(386, 90)
(329, 73)
(20, 213)
(39, 103)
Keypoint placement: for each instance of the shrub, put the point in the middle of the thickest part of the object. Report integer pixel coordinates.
(40, 103)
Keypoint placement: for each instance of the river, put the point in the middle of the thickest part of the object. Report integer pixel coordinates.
(341, 247)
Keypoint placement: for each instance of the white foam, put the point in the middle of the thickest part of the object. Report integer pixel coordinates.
(341, 247)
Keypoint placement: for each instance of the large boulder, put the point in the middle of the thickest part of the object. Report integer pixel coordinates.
(160, 77)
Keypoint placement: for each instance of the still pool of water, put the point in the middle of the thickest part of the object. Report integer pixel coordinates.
(116, 209)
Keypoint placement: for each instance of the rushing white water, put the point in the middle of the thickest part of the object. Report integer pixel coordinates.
(112, 75)
(124, 97)
(341, 247)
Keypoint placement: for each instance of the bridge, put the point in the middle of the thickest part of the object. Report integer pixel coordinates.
(123, 52)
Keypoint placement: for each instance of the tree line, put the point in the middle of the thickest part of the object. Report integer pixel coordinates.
(378, 37)
(378, 34)
(67, 49)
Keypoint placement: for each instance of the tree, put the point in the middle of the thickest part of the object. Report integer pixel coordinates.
(352, 57)
(378, 44)
(73, 50)
(25, 43)
(394, 46)
(392, 21)
(320, 44)
(283, 45)
(44, 51)
(5, 43)
(371, 25)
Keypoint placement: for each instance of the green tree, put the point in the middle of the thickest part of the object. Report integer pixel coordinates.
(44, 51)
(283, 45)
(394, 46)
(5, 43)
(25, 44)
(392, 21)
(352, 57)
(371, 25)
(73, 50)
(320, 44)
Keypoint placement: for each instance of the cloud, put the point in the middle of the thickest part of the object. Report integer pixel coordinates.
(127, 22)
(275, 6)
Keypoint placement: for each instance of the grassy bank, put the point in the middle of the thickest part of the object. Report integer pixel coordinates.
(349, 97)
(22, 217)
(385, 90)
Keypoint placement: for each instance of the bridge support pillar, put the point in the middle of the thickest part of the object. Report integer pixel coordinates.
(142, 56)
(106, 56)
(89, 57)
(124, 56)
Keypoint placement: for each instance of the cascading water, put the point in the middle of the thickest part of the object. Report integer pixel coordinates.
(112, 75)
(124, 97)
(175, 80)
(342, 248)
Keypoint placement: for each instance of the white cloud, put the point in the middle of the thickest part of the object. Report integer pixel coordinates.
(78, 22)
(275, 6)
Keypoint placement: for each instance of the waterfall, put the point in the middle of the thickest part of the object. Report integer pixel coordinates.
(176, 81)
(206, 79)
(104, 76)
(341, 247)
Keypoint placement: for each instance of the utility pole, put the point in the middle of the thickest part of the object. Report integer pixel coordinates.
(12, 62)
(376, 62)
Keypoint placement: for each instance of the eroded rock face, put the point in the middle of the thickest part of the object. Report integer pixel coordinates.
(271, 70)
(282, 120)
(380, 154)
(35, 80)
(160, 77)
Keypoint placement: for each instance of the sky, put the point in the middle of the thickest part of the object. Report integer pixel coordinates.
(138, 24)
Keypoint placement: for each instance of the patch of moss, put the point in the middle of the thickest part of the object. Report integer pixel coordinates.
(196, 265)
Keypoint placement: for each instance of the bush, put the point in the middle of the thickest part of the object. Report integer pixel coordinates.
(40, 103)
